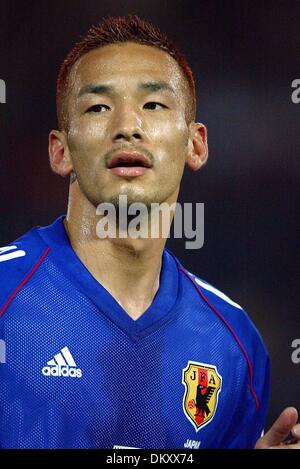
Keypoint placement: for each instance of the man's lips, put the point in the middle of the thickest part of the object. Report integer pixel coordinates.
(129, 171)
(129, 164)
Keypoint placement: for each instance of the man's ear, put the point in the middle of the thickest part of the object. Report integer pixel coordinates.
(198, 149)
(59, 154)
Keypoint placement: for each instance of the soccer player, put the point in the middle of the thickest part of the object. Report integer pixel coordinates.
(110, 341)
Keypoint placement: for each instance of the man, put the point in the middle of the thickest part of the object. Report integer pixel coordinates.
(109, 341)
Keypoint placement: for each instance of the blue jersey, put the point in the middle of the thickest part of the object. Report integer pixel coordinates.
(77, 372)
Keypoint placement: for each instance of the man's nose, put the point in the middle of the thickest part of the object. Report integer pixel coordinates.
(128, 125)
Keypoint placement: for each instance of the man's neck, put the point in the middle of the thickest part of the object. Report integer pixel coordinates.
(128, 268)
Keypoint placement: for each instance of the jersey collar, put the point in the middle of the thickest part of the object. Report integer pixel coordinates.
(158, 312)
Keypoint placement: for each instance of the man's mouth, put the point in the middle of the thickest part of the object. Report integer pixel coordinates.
(129, 164)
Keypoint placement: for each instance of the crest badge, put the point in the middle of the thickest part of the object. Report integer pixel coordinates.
(202, 387)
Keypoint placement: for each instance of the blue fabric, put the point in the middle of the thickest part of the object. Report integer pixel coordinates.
(80, 373)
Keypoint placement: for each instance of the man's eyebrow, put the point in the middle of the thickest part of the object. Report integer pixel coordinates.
(95, 89)
(152, 86)
(156, 86)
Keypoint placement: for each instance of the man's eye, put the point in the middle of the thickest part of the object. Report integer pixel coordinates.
(153, 106)
(98, 108)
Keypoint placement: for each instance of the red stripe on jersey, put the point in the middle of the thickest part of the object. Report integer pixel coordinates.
(232, 332)
(24, 281)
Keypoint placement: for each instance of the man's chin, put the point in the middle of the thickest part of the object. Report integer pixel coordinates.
(129, 198)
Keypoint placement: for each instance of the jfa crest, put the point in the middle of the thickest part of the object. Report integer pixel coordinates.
(202, 386)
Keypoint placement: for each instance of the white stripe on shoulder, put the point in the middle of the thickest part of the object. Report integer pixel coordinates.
(10, 255)
(216, 292)
(7, 248)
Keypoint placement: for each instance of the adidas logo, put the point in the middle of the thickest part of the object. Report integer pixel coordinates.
(63, 364)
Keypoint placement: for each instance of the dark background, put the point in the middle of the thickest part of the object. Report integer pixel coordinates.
(244, 55)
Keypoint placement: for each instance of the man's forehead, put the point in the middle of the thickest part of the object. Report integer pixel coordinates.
(134, 62)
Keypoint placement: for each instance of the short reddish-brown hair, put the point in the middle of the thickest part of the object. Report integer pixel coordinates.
(113, 30)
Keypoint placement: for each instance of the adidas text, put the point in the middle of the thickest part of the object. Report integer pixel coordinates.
(62, 371)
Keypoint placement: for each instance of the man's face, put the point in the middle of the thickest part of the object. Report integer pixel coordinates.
(128, 101)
